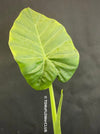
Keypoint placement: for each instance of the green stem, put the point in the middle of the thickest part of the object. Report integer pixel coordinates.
(53, 105)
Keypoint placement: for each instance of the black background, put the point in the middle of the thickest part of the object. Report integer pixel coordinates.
(21, 107)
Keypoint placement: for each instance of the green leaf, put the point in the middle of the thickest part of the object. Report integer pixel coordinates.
(43, 49)
(57, 128)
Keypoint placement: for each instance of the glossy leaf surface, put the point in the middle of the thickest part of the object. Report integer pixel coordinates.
(43, 49)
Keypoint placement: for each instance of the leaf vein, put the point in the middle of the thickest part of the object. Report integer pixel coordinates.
(56, 47)
(51, 38)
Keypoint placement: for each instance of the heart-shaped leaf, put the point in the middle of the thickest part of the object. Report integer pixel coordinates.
(43, 49)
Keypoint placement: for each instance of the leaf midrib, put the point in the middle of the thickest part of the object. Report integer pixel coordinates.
(44, 55)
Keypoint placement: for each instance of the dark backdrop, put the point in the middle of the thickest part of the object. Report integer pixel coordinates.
(21, 107)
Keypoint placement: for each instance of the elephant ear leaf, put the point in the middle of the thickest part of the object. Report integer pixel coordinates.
(43, 49)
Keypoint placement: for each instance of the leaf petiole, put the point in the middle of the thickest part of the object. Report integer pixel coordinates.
(53, 105)
(55, 115)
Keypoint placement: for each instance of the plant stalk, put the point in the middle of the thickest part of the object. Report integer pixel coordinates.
(53, 105)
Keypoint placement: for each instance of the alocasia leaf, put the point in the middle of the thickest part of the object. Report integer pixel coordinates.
(43, 49)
